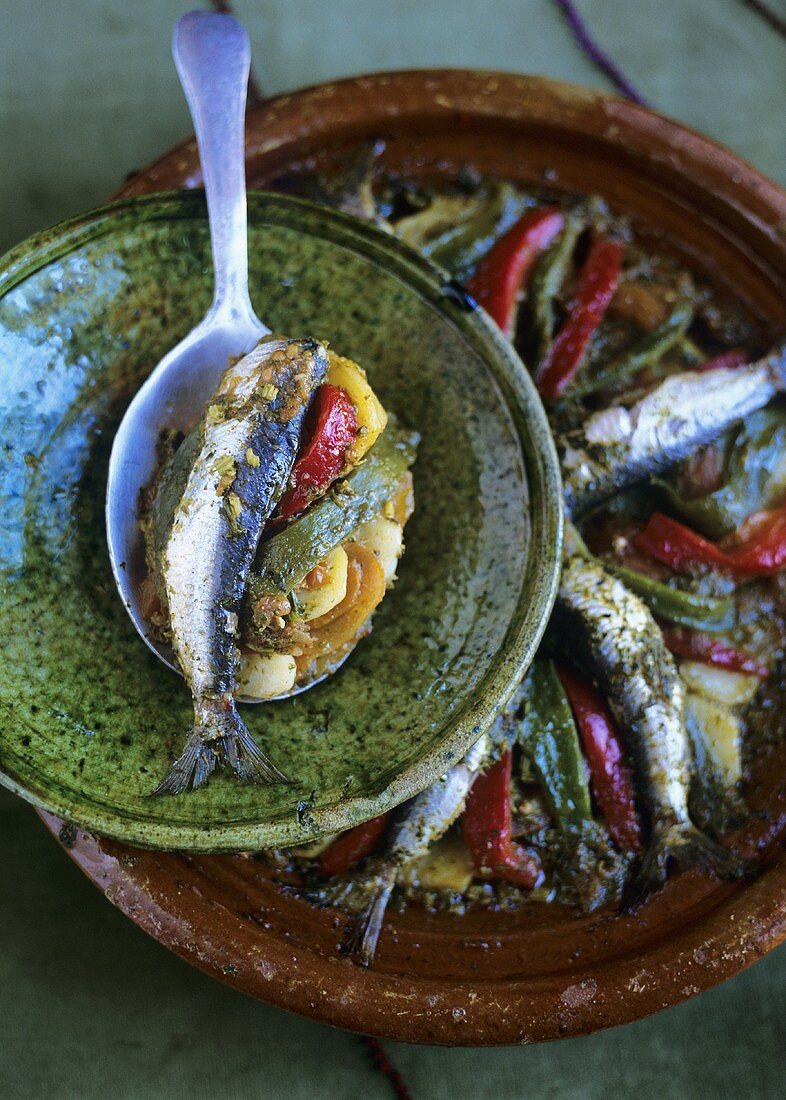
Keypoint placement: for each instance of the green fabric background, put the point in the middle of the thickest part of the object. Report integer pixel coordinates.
(89, 1006)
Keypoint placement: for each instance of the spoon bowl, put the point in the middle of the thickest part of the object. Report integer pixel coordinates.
(173, 397)
(213, 57)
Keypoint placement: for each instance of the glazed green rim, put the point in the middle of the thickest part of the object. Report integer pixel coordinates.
(541, 579)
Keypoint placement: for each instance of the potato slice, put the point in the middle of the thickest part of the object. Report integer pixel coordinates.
(385, 539)
(334, 634)
(365, 589)
(733, 689)
(265, 675)
(447, 865)
(325, 586)
(402, 504)
(721, 730)
(372, 418)
(315, 848)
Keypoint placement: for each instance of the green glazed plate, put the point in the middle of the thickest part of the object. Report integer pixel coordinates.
(89, 718)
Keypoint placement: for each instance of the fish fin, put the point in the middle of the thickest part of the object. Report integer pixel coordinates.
(687, 847)
(192, 768)
(324, 895)
(362, 933)
(219, 736)
(239, 750)
(365, 895)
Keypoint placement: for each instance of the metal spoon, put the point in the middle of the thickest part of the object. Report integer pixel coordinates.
(213, 57)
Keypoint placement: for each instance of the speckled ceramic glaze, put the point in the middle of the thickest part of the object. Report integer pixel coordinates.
(542, 972)
(89, 717)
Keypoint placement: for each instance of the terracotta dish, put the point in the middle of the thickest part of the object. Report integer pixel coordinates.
(540, 973)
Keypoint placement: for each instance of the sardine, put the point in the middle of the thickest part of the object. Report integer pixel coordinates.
(610, 633)
(238, 463)
(417, 825)
(618, 446)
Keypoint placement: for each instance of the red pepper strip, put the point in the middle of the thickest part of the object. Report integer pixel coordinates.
(737, 357)
(325, 454)
(676, 545)
(693, 645)
(503, 272)
(597, 283)
(486, 825)
(610, 777)
(347, 850)
(763, 550)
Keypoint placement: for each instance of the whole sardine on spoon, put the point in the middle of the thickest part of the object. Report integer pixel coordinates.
(618, 446)
(239, 464)
(623, 651)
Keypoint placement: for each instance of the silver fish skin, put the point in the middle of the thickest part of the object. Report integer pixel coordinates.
(622, 649)
(257, 413)
(618, 446)
(418, 824)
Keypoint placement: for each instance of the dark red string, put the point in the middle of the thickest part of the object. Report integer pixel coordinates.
(595, 53)
(383, 1064)
(777, 22)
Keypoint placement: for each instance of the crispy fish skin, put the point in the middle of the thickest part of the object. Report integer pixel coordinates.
(618, 446)
(624, 652)
(241, 462)
(417, 825)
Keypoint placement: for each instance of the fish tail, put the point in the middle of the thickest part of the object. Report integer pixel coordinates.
(365, 895)
(237, 748)
(362, 933)
(687, 847)
(192, 768)
(219, 736)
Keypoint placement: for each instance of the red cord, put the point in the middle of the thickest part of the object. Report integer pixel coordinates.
(777, 22)
(383, 1064)
(598, 56)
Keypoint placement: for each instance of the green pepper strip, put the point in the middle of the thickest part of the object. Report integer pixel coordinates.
(754, 478)
(460, 248)
(546, 283)
(548, 736)
(645, 351)
(691, 350)
(675, 605)
(285, 559)
(710, 613)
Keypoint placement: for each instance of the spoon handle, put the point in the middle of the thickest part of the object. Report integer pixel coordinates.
(213, 57)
